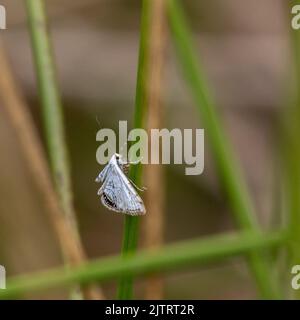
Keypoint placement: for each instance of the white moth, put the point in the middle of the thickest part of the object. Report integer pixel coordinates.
(117, 192)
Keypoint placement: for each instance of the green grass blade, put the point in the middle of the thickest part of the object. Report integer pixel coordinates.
(172, 257)
(51, 103)
(131, 224)
(54, 126)
(291, 153)
(226, 164)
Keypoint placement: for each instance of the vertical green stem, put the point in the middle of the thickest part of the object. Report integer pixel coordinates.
(54, 128)
(131, 223)
(291, 150)
(66, 225)
(52, 113)
(228, 169)
(51, 103)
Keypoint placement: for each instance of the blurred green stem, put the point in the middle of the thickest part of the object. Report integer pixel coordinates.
(51, 104)
(227, 167)
(171, 257)
(55, 135)
(291, 148)
(131, 223)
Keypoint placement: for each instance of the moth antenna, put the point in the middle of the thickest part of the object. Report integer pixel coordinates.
(113, 147)
(136, 161)
(97, 120)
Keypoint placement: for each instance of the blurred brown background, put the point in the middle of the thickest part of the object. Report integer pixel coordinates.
(244, 46)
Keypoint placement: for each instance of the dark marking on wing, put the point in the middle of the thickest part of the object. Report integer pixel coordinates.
(108, 201)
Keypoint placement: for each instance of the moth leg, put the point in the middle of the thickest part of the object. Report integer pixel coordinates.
(140, 189)
(98, 179)
(100, 191)
(136, 161)
(125, 167)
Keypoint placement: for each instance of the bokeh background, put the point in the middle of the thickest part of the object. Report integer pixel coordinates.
(245, 50)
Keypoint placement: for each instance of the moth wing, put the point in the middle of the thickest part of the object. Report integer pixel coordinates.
(119, 195)
(111, 194)
(134, 204)
(104, 173)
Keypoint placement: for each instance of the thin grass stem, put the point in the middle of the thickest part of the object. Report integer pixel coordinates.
(54, 122)
(153, 227)
(131, 223)
(169, 258)
(226, 163)
(291, 153)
